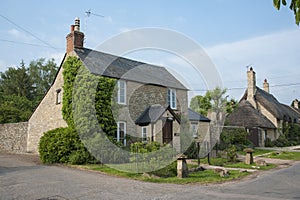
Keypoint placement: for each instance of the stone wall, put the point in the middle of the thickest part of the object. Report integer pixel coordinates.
(48, 114)
(13, 137)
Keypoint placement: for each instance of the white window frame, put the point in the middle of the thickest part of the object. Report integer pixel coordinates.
(194, 127)
(144, 133)
(120, 91)
(172, 99)
(118, 132)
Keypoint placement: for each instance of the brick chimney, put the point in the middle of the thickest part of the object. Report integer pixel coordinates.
(296, 103)
(266, 86)
(75, 37)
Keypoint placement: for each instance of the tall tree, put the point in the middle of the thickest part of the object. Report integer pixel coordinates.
(294, 6)
(42, 74)
(22, 88)
(219, 102)
(16, 81)
(201, 104)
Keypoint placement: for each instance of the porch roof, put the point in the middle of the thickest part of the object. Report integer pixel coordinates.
(153, 113)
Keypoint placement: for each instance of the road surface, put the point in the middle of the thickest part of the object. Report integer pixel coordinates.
(28, 179)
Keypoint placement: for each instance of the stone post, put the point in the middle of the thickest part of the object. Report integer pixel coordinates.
(182, 169)
(249, 156)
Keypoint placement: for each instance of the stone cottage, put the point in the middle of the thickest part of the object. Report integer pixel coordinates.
(151, 99)
(260, 113)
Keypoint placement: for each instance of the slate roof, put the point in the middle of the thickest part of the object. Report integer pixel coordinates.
(246, 115)
(100, 63)
(153, 113)
(267, 100)
(194, 116)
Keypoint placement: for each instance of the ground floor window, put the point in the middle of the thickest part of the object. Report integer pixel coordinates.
(144, 134)
(195, 130)
(121, 132)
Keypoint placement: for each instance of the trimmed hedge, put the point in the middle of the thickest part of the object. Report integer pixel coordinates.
(63, 145)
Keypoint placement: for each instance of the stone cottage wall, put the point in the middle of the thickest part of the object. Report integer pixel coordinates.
(48, 114)
(13, 137)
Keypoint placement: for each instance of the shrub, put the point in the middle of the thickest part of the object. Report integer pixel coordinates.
(63, 145)
(192, 151)
(231, 153)
(168, 171)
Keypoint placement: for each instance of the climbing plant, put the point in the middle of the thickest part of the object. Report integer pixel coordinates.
(93, 98)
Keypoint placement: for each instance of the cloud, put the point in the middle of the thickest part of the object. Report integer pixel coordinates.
(19, 35)
(272, 56)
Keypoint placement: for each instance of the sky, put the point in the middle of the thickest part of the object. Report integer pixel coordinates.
(233, 34)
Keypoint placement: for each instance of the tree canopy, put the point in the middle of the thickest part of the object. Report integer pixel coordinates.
(22, 88)
(213, 100)
(294, 6)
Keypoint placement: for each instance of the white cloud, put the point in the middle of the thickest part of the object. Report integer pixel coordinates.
(19, 35)
(58, 56)
(274, 56)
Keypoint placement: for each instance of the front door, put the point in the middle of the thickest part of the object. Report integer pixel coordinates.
(168, 131)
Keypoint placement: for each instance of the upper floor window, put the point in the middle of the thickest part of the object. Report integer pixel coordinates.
(121, 92)
(172, 98)
(58, 96)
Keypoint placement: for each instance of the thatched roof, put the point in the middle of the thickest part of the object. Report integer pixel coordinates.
(247, 116)
(269, 102)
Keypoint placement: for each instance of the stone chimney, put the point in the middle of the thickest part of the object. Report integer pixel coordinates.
(251, 83)
(296, 103)
(75, 37)
(266, 86)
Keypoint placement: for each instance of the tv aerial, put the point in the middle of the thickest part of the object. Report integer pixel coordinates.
(89, 13)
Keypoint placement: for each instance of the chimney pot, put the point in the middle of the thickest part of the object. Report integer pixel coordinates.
(75, 37)
(77, 24)
(266, 86)
(296, 103)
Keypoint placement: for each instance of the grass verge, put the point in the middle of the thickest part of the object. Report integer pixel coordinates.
(202, 177)
(285, 155)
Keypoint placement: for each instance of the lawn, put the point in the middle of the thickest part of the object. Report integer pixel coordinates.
(245, 166)
(203, 177)
(222, 162)
(257, 152)
(285, 155)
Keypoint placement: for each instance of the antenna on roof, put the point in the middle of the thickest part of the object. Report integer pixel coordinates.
(87, 15)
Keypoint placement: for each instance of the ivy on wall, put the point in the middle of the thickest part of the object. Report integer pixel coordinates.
(94, 99)
(93, 94)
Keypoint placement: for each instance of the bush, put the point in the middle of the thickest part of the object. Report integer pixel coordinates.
(63, 145)
(192, 151)
(232, 153)
(168, 171)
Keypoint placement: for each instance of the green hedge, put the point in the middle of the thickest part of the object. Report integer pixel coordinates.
(63, 145)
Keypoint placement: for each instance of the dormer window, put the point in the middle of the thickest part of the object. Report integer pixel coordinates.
(58, 96)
